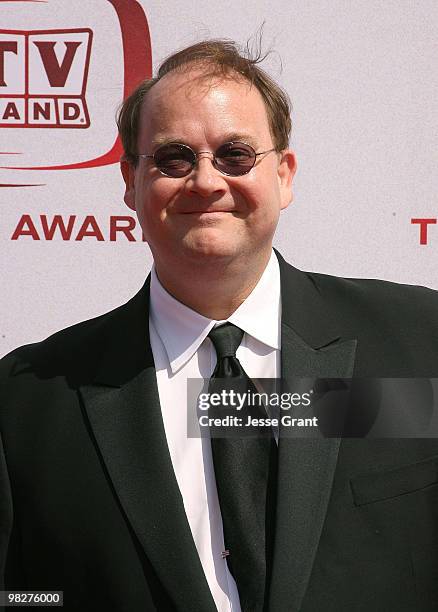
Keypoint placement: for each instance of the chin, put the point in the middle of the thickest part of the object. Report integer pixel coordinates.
(209, 248)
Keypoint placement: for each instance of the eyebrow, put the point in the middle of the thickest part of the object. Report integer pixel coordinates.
(162, 140)
(158, 141)
(242, 137)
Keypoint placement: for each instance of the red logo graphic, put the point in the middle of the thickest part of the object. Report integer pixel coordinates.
(424, 225)
(59, 59)
(43, 76)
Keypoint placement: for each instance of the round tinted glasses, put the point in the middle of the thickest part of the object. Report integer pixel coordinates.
(232, 158)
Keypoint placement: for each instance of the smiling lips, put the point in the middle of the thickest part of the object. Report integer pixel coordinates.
(207, 210)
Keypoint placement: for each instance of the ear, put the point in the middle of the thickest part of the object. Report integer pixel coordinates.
(286, 172)
(128, 173)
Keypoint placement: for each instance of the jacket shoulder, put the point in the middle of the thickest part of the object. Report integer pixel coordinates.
(72, 349)
(368, 297)
(390, 319)
(369, 286)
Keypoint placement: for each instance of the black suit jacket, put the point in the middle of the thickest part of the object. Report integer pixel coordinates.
(90, 505)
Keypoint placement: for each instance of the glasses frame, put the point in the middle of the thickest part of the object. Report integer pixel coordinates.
(213, 159)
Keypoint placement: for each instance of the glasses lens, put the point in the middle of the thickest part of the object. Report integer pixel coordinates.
(235, 158)
(174, 160)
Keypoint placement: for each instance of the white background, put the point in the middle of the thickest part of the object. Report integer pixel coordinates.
(363, 80)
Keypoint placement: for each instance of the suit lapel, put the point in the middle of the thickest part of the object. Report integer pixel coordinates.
(123, 408)
(312, 347)
(122, 404)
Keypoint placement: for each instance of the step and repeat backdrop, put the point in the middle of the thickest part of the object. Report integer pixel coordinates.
(363, 81)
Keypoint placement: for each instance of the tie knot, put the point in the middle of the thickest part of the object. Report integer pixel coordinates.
(226, 340)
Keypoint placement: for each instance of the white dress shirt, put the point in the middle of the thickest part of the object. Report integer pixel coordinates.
(182, 350)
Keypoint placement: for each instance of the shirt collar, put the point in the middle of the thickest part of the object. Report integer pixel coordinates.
(182, 330)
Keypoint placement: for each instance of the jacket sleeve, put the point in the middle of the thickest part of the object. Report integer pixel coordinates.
(11, 574)
(6, 515)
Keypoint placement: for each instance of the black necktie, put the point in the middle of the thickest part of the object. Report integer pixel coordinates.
(245, 469)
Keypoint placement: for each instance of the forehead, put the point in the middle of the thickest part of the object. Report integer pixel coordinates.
(197, 107)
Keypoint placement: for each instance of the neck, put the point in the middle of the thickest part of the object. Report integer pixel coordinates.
(213, 289)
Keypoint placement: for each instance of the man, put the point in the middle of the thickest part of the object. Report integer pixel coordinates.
(103, 494)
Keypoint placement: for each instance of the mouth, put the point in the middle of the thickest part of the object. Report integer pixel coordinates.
(209, 211)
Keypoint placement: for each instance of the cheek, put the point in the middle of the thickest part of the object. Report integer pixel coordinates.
(153, 199)
(163, 191)
(261, 188)
(261, 199)
(249, 192)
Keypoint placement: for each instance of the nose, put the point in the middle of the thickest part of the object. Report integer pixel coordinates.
(205, 179)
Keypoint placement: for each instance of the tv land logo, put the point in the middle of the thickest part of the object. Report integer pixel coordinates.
(43, 84)
(43, 78)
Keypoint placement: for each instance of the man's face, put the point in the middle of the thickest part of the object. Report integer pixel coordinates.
(207, 214)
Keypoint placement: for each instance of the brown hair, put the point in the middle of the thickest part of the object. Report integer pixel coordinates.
(223, 58)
